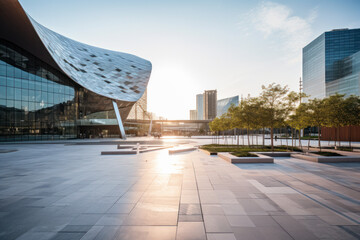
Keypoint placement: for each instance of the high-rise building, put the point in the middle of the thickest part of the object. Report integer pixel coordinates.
(224, 104)
(139, 109)
(209, 104)
(200, 106)
(331, 64)
(193, 115)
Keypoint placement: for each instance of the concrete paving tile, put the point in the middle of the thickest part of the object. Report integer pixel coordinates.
(92, 233)
(233, 209)
(146, 233)
(112, 219)
(121, 208)
(221, 236)
(190, 209)
(294, 228)
(336, 219)
(86, 219)
(240, 221)
(212, 209)
(190, 231)
(216, 223)
(190, 218)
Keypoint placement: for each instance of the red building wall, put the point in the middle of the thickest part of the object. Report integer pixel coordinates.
(345, 133)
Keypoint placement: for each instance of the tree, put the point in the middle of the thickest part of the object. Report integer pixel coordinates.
(317, 115)
(214, 125)
(236, 121)
(335, 113)
(274, 102)
(300, 119)
(352, 113)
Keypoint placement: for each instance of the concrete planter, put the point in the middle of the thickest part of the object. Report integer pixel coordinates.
(323, 159)
(233, 159)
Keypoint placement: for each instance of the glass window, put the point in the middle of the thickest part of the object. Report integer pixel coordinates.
(17, 82)
(25, 95)
(10, 93)
(9, 82)
(18, 94)
(3, 92)
(10, 71)
(2, 70)
(2, 81)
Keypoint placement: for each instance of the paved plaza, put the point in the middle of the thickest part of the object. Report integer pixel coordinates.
(57, 191)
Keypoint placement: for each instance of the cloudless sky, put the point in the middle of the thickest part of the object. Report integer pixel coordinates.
(233, 46)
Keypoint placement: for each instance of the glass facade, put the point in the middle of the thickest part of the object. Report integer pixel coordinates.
(224, 104)
(36, 101)
(200, 106)
(331, 64)
(314, 68)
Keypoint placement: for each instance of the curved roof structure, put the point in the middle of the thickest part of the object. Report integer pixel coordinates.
(116, 75)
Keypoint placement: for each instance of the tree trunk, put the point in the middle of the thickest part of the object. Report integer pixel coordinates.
(272, 138)
(309, 139)
(238, 137)
(292, 139)
(263, 132)
(287, 135)
(248, 136)
(319, 128)
(350, 136)
(300, 139)
(335, 136)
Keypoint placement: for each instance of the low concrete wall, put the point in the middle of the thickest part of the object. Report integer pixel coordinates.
(275, 154)
(207, 152)
(322, 159)
(118, 152)
(171, 151)
(233, 159)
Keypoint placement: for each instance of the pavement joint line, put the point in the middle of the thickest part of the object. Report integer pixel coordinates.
(327, 178)
(322, 204)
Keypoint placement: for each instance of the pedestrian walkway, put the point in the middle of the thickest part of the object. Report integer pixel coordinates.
(73, 192)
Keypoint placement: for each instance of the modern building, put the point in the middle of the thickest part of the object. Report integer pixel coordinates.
(200, 106)
(193, 115)
(224, 104)
(209, 104)
(331, 64)
(52, 87)
(139, 110)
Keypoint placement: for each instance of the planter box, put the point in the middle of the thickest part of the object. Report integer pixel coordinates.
(233, 159)
(207, 152)
(322, 159)
(171, 151)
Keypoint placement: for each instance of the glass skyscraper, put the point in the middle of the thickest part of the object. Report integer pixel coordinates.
(200, 106)
(331, 64)
(224, 104)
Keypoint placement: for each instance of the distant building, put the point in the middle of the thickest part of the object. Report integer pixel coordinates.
(224, 104)
(200, 106)
(331, 64)
(193, 115)
(139, 109)
(209, 104)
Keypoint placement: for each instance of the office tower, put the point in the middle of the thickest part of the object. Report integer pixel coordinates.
(200, 106)
(193, 115)
(331, 64)
(209, 104)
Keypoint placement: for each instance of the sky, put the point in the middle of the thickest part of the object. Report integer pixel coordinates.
(233, 46)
